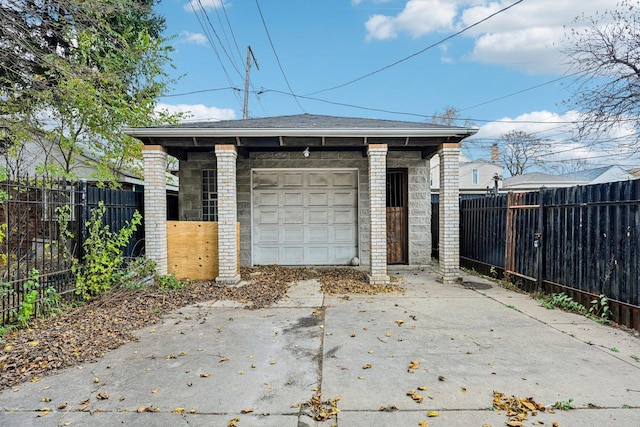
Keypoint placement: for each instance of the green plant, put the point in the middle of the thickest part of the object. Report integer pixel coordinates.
(28, 306)
(169, 282)
(635, 357)
(565, 405)
(103, 254)
(50, 302)
(614, 349)
(564, 302)
(599, 309)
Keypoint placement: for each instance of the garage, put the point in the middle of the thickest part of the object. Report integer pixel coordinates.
(304, 216)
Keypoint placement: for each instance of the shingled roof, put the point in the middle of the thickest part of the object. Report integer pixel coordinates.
(299, 131)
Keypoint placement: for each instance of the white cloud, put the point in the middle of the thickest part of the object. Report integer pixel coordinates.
(528, 36)
(559, 132)
(198, 112)
(194, 38)
(418, 18)
(206, 4)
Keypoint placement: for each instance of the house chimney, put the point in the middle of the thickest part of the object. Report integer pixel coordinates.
(495, 153)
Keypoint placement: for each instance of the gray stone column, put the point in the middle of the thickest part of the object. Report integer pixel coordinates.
(228, 272)
(378, 213)
(449, 243)
(155, 205)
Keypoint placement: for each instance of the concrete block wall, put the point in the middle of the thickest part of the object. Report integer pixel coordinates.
(190, 194)
(419, 192)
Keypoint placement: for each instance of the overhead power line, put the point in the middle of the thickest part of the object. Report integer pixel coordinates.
(277, 58)
(406, 58)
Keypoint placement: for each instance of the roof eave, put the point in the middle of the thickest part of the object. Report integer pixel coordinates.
(297, 132)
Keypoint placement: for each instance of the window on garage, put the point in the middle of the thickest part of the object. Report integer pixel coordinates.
(209, 195)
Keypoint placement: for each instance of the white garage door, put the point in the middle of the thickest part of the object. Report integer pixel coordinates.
(304, 217)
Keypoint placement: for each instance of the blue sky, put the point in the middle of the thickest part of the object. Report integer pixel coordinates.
(309, 47)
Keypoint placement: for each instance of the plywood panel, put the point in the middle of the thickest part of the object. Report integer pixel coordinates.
(192, 249)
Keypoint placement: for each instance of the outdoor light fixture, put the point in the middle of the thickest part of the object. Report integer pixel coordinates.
(306, 152)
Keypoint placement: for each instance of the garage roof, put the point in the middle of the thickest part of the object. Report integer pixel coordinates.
(287, 133)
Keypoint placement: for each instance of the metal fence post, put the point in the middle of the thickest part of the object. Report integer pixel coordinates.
(541, 241)
(83, 217)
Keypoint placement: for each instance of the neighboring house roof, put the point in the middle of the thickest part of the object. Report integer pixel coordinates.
(33, 155)
(536, 180)
(601, 174)
(295, 132)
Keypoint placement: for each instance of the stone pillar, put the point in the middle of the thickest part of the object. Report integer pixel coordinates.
(155, 205)
(228, 272)
(449, 243)
(378, 213)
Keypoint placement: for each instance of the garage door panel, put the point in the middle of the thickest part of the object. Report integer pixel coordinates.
(345, 179)
(344, 198)
(293, 216)
(267, 216)
(317, 235)
(318, 198)
(267, 198)
(344, 216)
(292, 255)
(309, 219)
(267, 254)
(343, 234)
(293, 179)
(318, 179)
(344, 254)
(318, 216)
(293, 235)
(266, 179)
(269, 235)
(293, 198)
(318, 254)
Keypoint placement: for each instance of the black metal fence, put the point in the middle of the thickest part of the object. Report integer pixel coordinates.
(584, 241)
(34, 217)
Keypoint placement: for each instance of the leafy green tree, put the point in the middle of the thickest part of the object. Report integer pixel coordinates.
(99, 66)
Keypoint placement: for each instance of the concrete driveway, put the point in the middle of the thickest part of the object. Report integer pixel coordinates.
(434, 350)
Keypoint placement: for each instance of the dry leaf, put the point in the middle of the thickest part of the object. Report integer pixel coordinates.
(367, 366)
(179, 410)
(206, 375)
(423, 424)
(399, 322)
(247, 411)
(155, 390)
(441, 378)
(422, 388)
(432, 414)
(102, 396)
(45, 399)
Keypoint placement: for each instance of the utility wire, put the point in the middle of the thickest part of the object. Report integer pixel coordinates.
(277, 58)
(419, 52)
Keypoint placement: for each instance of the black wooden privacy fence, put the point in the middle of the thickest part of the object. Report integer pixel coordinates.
(584, 241)
(32, 212)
